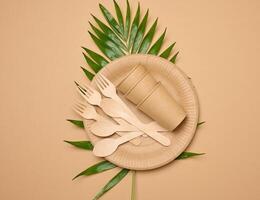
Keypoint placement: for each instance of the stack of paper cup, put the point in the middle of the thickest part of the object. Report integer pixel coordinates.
(151, 97)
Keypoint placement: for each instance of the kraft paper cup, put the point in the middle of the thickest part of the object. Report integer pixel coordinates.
(132, 78)
(141, 89)
(163, 108)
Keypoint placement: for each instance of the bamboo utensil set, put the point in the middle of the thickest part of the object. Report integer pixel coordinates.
(141, 89)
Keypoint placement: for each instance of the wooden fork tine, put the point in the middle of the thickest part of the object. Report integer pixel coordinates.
(90, 89)
(102, 81)
(84, 95)
(87, 90)
(99, 82)
(80, 106)
(80, 87)
(78, 112)
(81, 103)
(105, 79)
(77, 109)
(100, 87)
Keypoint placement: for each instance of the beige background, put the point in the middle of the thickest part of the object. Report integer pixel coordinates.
(40, 59)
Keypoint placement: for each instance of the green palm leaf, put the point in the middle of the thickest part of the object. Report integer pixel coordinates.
(140, 33)
(109, 52)
(96, 57)
(119, 18)
(167, 51)
(92, 64)
(127, 20)
(148, 38)
(104, 38)
(111, 20)
(200, 123)
(97, 168)
(134, 27)
(110, 33)
(113, 182)
(154, 50)
(81, 144)
(77, 123)
(88, 73)
(173, 59)
(187, 154)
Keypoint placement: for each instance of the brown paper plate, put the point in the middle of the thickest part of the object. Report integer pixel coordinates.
(150, 154)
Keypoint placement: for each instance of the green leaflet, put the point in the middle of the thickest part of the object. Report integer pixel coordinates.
(167, 51)
(187, 154)
(148, 38)
(92, 64)
(127, 20)
(200, 123)
(81, 144)
(96, 57)
(110, 33)
(140, 33)
(119, 17)
(78, 123)
(173, 59)
(114, 181)
(154, 50)
(111, 20)
(97, 168)
(88, 73)
(109, 52)
(134, 28)
(104, 38)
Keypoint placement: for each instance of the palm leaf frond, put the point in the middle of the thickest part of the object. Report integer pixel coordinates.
(173, 59)
(140, 33)
(187, 154)
(106, 40)
(111, 20)
(119, 18)
(200, 123)
(148, 38)
(97, 168)
(124, 36)
(134, 28)
(106, 30)
(157, 45)
(86, 145)
(113, 182)
(92, 64)
(96, 57)
(110, 53)
(127, 20)
(88, 73)
(76, 122)
(167, 51)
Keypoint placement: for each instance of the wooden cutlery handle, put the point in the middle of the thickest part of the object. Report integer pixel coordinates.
(153, 126)
(135, 141)
(153, 134)
(128, 137)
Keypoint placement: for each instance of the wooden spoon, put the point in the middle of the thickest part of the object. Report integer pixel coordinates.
(107, 128)
(108, 146)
